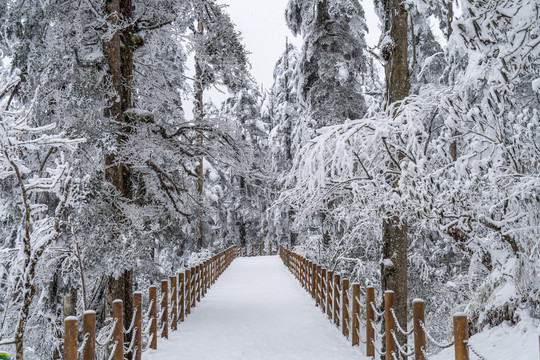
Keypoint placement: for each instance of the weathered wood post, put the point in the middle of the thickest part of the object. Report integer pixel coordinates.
(89, 332)
(187, 292)
(199, 282)
(174, 303)
(329, 292)
(313, 279)
(419, 334)
(370, 318)
(355, 316)
(165, 309)
(260, 249)
(71, 332)
(193, 291)
(389, 324)
(461, 336)
(323, 290)
(118, 331)
(181, 297)
(270, 248)
(318, 285)
(152, 298)
(345, 307)
(252, 250)
(203, 278)
(137, 325)
(337, 293)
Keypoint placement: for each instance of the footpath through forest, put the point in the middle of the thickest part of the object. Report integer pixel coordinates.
(256, 311)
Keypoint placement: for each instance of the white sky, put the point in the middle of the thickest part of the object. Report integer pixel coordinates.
(263, 29)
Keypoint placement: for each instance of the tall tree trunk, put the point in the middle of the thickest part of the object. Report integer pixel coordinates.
(394, 234)
(119, 54)
(199, 92)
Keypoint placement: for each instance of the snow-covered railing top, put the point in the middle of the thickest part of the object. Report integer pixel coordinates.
(342, 307)
(179, 295)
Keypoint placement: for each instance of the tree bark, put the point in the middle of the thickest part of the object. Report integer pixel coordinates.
(199, 92)
(394, 234)
(118, 51)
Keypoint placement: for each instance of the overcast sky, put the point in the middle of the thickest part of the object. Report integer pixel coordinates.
(263, 29)
(262, 24)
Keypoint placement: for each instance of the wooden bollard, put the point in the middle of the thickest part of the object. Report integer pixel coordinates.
(71, 332)
(370, 318)
(152, 297)
(461, 335)
(323, 290)
(355, 326)
(419, 334)
(164, 309)
(118, 331)
(389, 324)
(187, 293)
(181, 307)
(137, 325)
(174, 303)
(329, 292)
(89, 332)
(344, 307)
(337, 293)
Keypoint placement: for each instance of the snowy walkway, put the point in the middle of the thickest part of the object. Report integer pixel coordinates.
(256, 311)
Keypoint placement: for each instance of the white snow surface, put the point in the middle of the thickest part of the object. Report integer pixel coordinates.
(256, 310)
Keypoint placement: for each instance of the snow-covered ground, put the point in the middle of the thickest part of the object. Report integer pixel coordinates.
(256, 310)
(504, 342)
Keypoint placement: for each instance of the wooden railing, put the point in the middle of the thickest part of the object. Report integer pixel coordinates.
(255, 250)
(179, 295)
(333, 295)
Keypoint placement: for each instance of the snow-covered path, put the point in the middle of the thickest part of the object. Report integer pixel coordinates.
(256, 310)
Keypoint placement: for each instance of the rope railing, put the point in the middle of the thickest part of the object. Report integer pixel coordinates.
(342, 306)
(178, 295)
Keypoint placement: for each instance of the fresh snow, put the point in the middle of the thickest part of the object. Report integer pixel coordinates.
(256, 310)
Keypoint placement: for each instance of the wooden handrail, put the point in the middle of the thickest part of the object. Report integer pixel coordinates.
(333, 298)
(178, 295)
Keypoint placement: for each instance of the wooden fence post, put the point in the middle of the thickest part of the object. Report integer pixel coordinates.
(89, 329)
(187, 292)
(71, 333)
(370, 318)
(152, 297)
(199, 281)
(419, 334)
(260, 249)
(270, 248)
(181, 297)
(461, 335)
(318, 285)
(389, 324)
(252, 250)
(323, 290)
(137, 325)
(355, 328)
(165, 309)
(337, 293)
(313, 279)
(118, 331)
(174, 303)
(329, 292)
(193, 291)
(345, 307)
